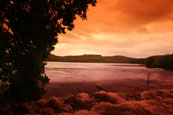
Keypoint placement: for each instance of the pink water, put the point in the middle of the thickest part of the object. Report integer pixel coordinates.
(72, 78)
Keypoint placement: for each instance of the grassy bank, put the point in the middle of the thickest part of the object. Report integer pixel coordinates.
(100, 103)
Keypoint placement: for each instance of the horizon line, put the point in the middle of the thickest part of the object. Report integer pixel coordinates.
(110, 55)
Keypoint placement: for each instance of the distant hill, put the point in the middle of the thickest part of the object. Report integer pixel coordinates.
(159, 61)
(96, 58)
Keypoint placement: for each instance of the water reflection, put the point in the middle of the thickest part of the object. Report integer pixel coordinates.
(148, 81)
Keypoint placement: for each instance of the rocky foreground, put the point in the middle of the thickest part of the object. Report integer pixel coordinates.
(154, 102)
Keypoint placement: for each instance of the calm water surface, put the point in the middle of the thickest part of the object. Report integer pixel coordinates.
(72, 78)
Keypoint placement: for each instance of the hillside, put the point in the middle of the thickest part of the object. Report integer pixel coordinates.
(95, 58)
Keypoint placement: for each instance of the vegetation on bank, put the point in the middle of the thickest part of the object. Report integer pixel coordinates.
(165, 62)
(96, 59)
(156, 102)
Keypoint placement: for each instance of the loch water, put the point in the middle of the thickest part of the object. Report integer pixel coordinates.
(69, 78)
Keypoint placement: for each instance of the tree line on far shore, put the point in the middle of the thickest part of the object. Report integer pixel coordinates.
(165, 62)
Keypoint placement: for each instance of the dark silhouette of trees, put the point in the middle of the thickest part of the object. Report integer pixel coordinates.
(165, 62)
(149, 62)
(28, 32)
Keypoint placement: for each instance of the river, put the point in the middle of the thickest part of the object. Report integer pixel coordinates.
(68, 78)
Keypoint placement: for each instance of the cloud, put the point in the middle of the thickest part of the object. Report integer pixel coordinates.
(124, 14)
(140, 12)
(136, 28)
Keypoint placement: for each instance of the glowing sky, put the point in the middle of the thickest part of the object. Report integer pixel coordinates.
(135, 28)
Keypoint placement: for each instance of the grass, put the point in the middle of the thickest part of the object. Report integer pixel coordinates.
(100, 103)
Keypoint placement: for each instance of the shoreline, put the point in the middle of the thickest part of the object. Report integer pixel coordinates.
(64, 89)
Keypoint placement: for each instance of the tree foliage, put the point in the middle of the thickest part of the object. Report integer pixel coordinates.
(149, 62)
(28, 32)
(165, 62)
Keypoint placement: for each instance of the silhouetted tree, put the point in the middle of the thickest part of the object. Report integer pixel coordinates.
(149, 62)
(167, 62)
(28, 32)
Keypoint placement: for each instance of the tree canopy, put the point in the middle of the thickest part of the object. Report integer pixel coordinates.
(28, 33)
(165, 62)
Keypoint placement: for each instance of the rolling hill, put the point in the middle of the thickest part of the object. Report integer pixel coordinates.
(96, 58)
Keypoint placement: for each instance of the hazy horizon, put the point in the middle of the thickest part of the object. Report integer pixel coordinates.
(109, 55)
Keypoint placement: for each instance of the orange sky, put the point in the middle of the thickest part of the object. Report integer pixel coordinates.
(135, 28)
